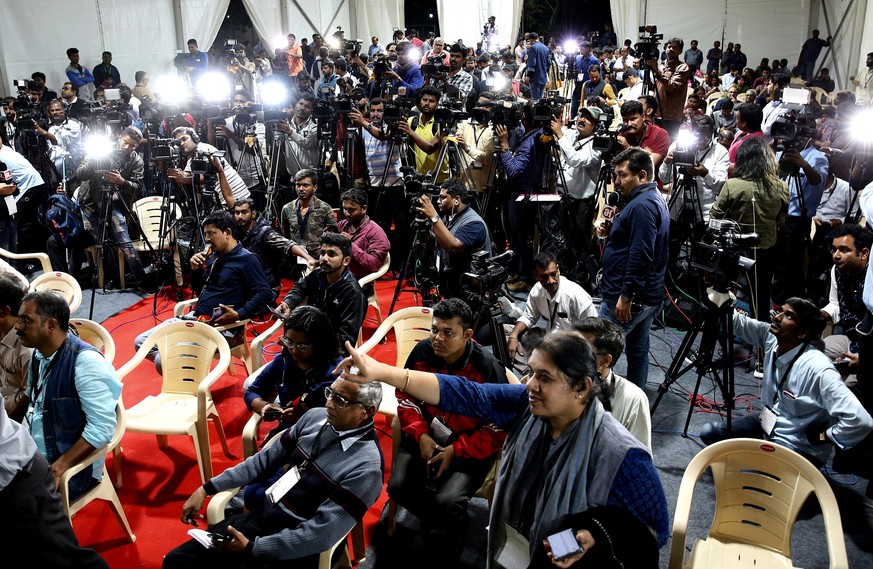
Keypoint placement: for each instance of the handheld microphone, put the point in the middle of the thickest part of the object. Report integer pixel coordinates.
(610, 207)
(5, 174)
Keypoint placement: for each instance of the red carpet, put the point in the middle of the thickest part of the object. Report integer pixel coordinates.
(157, 482)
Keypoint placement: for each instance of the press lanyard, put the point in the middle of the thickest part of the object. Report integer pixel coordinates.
(788, 371)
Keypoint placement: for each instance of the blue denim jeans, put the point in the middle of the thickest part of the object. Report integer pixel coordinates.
(636, 332)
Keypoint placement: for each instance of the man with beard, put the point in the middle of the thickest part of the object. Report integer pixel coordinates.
(332, 288)
(65, 136)
(369, 243)
(301, 146)
(806, 405)
(443, 458)
(672, 86)
(643, 134)
(407, 72)
(306, 218)
(259, 237)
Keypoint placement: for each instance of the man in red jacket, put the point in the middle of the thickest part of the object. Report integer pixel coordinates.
(444, 458)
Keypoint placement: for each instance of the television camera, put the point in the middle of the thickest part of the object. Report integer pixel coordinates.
(487, 274)
(507, 114)
(647, 47)
(548, 108)
(719, 255)
(416, 185)
(606, 140)
(434, 66)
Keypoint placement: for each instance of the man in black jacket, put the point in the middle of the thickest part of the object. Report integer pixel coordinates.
(259, 237)
(332, 288)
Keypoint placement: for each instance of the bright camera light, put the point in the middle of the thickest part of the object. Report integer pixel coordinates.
(685, 138)
(333, 42)
(497, 82)
(214, 87)
(171, 89)
(98, 147)
(414, 54)
(861, 126)
(280, 41)
(570, 46)
(273, 93)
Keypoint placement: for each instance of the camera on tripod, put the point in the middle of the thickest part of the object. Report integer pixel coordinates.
(685, 155)
(605, 140)
(381, 65)
(167, 149)
(548, 108)
(434, 66)
(719, 256)
(416, 185)
(397, 110)
(506, 113)
(201, 163)
(487, 274)
(790, 132)
(647, 47)
(353, 47)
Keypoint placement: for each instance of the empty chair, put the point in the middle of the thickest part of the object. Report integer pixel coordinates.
(759, 489)
(61, 283)
(185, 403)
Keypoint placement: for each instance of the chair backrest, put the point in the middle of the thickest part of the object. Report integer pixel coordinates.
(96, 335)
(148, 212)
(410, 325)
(61, 283)
(759, 489)
(187, 350)
(367, 279)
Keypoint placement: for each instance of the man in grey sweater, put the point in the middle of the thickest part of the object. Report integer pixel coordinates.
(315, 483)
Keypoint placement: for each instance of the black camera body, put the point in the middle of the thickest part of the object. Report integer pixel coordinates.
(647, 47)
(507, 114)
(487, 274)
(719, 256)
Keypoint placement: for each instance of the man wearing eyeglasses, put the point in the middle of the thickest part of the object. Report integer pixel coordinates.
(443, 458)
(318, 480)
(332, 288)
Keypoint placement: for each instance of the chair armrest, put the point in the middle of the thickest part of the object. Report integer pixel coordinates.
(250, 435)
(181, 307)
(232, 325)
(257, 347)
(41, 257)
(216, 506)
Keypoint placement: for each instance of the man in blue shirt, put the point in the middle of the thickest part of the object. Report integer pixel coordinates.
(537, 66)
(406, 73)
(809, 54)
(583, 61)
(229, 280)
(635, 258)
(807, 407)
(326, 88)
(810, 170)
(196, 62)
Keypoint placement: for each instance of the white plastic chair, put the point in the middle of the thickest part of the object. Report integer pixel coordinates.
(96, 335)
(241, 351)
(61, 283)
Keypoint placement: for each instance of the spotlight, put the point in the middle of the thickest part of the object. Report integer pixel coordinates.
(213, 87)
(570, 46)
(171, 89)
(273, 93)
(98, 147)
(861, 126)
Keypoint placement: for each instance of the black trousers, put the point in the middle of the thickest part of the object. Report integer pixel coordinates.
(251, 524)
(35, 525)
(792, 243)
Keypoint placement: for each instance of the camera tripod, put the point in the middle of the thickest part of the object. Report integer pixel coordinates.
(420, 258)
(490, 309)
(716, 324)
(272, 207)
(689, 216)
(251, 160)
(104, 217)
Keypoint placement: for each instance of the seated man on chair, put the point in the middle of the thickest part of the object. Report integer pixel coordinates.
(73, 390)
(806, 405)
(369, 243)
(332, 288)
(260, 238)
(319, 478)
(228, 279)
(443, 458)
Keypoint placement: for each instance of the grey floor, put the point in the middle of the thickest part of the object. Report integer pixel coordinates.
(672, 452)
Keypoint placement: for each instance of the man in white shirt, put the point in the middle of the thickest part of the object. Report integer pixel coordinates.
(709, 173)
(627, 402)
(554, 298)
(635, 87)
(581, 171)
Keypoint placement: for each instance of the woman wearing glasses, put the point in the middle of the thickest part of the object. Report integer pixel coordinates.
(295, 381)
(566, 463)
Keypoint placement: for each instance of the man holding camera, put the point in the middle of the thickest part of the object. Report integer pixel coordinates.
(301, 145)
(641, 133)
(709, 169)
(476, 138)
(425, 136)
(228, 186)
(635, 258)
(806, 405)
(459, 233)
(65, 135)
(582, 164)
(117, 178)
(406, 73)
(244, 138)
(456, 75)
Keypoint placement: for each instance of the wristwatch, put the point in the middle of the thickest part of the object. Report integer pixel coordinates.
(435, 218)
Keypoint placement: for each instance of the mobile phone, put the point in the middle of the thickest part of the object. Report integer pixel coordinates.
(272, 414)
(564, 545)
(219, 539)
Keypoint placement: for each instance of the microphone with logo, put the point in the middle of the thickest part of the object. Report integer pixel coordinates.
(6, 179)
(610, 210)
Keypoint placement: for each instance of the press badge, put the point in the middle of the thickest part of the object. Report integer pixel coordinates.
(440, 431)
(767, 419)
(281, 487)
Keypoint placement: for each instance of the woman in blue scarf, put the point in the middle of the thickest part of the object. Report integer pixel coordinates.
(566, 463)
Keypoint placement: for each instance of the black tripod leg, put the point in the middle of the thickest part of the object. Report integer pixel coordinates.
(675, 371)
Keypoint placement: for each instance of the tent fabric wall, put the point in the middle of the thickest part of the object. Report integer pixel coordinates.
(201, 20)
(266, 17)
(377, 18)
(306, 17)
(140, 35)
(461, 20)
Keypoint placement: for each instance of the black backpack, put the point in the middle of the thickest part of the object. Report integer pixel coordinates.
(65, 219)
